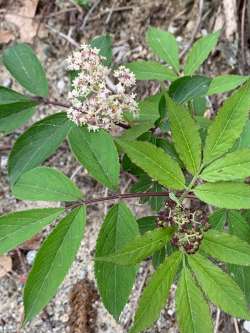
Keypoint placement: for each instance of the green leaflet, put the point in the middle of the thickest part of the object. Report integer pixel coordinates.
(146, 223)
(185, 134)
(11, 102)
(219, 287)
(233, 166)
(151, 70)
(104, 44)
(224, 83)
(148, 111)
(22, 63)
(115, 282)
(145, 184)
(140, 247)
(158, 257)
(163, 44)
(240, 227)
(97, 152)
(15, 120)
(53, 262)
(136, 131)
(192, 310)
(46, 184)
(228, 124)
(17, 227)
(38, 143)
(225, 194)
(187, 88)
(155, 162)
(15, 109)
(244, 139)
(225, 247)
(218, 219)
(199, 52)
(155, 295)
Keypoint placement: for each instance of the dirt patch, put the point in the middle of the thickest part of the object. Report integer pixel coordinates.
(59, 27)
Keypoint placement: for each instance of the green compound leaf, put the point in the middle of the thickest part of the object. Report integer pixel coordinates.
(227, 248)
(219, 287)
(164, 44)
(187, 88)
(224, 83)
(155, 295)
(228, 124)
(192, 310)
(155, 162)
(53, 262)
(46, 184)
(38, 143)
(104, 44)
(17, 227)
(225, 195)
(115, 282)
(186, 135)
(140, 247)
(97, 152)
(22, 63)
(151, 70)
(233, 166)
(199, 52)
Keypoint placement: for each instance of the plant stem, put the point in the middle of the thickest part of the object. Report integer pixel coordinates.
(46, 101)
(190, 186)
(120, 196)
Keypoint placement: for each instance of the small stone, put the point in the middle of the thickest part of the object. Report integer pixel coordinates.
(170, 312)
(61, 86)
(246, 325)
(7, 83)
(31, 256)
(4, 160)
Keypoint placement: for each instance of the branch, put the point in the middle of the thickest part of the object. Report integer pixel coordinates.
(123, 196)
(119, 196)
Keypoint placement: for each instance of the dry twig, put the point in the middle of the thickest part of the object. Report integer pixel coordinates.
(196, 29)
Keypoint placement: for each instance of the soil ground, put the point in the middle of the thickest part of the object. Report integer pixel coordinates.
(54, 28)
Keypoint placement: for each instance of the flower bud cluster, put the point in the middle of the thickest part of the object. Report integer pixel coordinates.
(190, 226)
(96, 101)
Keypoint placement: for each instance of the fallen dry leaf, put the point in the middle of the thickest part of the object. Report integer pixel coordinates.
(23, 18)
(5, 265)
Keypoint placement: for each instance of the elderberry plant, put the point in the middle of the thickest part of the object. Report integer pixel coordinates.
(185, 165)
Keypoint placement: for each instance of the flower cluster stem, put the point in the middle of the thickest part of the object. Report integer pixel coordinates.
(46, 101)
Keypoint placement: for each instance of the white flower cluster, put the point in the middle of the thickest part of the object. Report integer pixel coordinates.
(96, 102)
